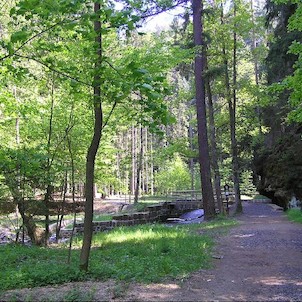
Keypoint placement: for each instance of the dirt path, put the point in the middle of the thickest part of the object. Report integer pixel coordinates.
(259, 260)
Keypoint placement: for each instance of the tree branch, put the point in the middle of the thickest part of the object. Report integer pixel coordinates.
(163, 10)
(35, 36)
(54, 70)
(109, 115)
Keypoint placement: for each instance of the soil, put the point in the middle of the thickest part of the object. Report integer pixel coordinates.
(258, 260)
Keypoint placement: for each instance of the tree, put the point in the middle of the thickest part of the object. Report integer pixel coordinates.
(91, 154)
(232, 111)
(199, 68)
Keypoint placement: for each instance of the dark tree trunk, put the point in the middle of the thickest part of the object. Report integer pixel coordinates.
(36, 235)
(204, 158)
(73, 197)
(92, 151)
(62, 210)
(214, 158)
(232, 112)
(139, 167)
(133, 161)
(49, 188)
(232, 109)
(256, 65)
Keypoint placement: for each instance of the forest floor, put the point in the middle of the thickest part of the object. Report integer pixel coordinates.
(260, 259)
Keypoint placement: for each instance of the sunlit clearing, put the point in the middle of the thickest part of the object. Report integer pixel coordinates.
(138, 235)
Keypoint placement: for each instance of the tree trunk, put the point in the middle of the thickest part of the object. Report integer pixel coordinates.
(132, 175)
(204, 158)
(256, 65)
(232, 109)
(62, 210)
(49, 187)
(191, 148)
(146, 162)
(139, 167)
(73, 198)
(151, 166)
(36, 235)
(92, 151)
(232, 113)
(214, 158)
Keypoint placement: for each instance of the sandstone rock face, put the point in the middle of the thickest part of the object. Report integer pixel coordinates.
(279, 168)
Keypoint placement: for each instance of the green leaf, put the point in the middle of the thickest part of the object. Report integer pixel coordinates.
(147, 86)
(142, 70)
(10, 48)
(19, 36)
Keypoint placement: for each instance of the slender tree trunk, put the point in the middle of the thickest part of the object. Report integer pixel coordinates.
(35, 234)
(92, 151)
(232, 112)
(191, 148)
(17, 128)
(204, 158)
(73, 198)
(146, 162)
(49, 187)
(139, 167)
(256, 65)
(214, 158)
(232, 109)
(60, 217)
(151, 166)
(132, 179)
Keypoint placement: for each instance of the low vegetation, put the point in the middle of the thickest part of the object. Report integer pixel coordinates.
(147, 253)
(294, 215)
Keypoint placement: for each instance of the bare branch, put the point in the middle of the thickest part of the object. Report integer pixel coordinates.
(109, 115)
(163, 10)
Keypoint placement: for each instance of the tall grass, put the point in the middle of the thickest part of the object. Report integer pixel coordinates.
(147, 253)
(294, 215)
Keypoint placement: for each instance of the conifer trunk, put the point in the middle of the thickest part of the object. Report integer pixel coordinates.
(232, 99)
(214, 159)
(204, 158)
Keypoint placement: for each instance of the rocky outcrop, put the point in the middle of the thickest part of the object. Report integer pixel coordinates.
(279, 168)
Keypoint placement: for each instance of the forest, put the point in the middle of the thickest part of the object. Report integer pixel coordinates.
(93, 105)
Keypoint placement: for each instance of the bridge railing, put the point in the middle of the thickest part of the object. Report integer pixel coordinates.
(196, 195)
(186, 195)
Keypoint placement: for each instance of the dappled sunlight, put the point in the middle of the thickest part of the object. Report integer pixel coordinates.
(157, 292)
(218, 224)
(138, 235)
(244, 235)
(273, 280)
(168, 286)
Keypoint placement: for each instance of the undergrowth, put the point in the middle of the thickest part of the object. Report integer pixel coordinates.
(145, 253)
(294, 215)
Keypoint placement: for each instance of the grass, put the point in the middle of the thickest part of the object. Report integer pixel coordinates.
(258, 196)
(102, 217)
(147, 253)
(294, 215)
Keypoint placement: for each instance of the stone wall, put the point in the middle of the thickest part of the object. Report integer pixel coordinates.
(154, 213)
